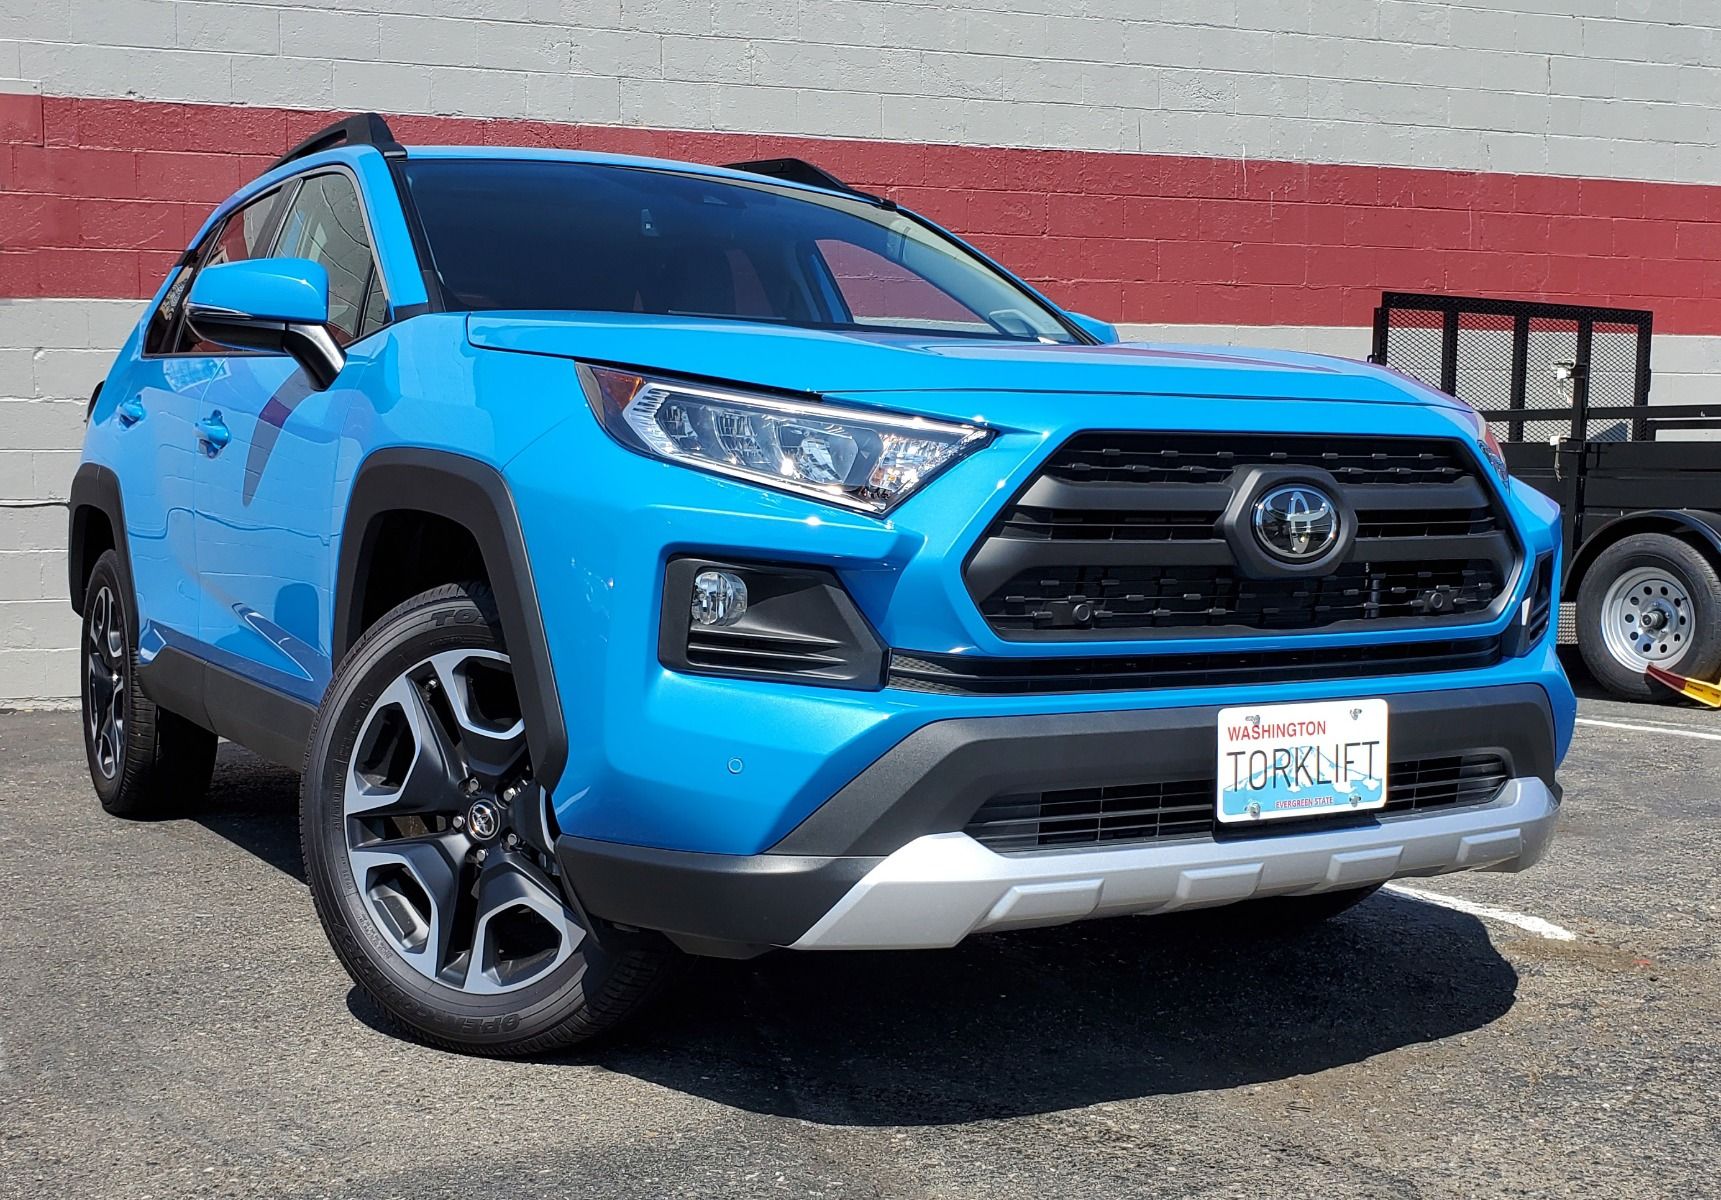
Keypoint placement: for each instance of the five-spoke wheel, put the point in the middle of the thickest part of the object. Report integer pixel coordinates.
(105, 680)
(144, 761)
(430, 845)
(445, 831)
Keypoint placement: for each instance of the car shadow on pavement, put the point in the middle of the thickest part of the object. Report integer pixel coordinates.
(1050, 1020)
(1012, 1024)
(255, 805)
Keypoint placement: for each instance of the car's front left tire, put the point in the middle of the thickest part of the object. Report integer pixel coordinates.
(429, 850)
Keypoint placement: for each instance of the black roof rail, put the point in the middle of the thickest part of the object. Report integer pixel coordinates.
(365, 129)
(799, 170)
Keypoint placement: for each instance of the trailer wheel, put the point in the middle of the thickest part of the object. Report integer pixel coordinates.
(1650, 599)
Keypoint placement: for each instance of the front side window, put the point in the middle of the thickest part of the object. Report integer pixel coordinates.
(164, 333)
(325, 224)
(245, 233)
(242, 235)
(557, 236)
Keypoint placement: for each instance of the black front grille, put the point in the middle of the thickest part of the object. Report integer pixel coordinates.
(1183, 808)
(1123, 535)
(965, 675)
(1139, 598)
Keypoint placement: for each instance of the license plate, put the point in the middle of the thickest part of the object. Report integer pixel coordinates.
(1301, 760)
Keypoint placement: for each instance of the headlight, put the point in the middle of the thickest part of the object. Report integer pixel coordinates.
(871, 461)
(1489, 444)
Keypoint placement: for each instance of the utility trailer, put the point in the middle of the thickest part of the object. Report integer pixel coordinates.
(1566, 390)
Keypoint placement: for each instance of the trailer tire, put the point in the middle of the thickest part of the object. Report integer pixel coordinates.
(1639, 579)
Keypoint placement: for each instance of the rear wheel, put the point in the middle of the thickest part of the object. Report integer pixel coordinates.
(430, 852)
(144, 761)
(1650, 599)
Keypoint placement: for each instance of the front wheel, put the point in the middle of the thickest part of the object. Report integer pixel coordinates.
(429, 849)
(1649, 599)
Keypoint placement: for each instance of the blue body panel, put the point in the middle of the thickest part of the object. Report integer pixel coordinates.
(234, 552)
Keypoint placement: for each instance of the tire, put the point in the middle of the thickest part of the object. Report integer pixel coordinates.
(428, 850)
(145, 762)
(1650, 575)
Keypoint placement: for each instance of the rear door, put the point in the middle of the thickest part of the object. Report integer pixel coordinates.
(265, 498)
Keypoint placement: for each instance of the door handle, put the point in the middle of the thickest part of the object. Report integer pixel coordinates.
(131, 412)
(212, 431)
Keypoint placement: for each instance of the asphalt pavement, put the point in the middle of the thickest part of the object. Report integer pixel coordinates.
(173, 1024)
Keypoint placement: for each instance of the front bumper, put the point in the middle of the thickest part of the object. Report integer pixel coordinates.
(938, 889)
(884, 863)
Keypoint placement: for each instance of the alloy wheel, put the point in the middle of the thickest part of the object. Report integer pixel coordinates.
(446, 832)
(105, 682)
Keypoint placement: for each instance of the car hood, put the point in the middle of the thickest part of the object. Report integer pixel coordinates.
(841, 363)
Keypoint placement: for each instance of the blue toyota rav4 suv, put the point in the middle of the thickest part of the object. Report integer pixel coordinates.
(640, 557)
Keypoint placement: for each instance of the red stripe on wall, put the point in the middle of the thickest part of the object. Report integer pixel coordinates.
(96, 196)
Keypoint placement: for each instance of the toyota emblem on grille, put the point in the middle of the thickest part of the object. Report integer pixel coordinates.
(1297, 523)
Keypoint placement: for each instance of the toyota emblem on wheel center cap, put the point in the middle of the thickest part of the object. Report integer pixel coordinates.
(483, 821)
(1297, 523)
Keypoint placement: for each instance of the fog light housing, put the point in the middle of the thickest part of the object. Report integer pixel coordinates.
(775, 621)
(719, 598)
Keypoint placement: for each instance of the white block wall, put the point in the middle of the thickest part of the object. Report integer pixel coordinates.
(52, 352)
(1618, 88)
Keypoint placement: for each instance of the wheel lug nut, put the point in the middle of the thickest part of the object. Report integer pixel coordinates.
(482, 854)
(472, 786)
(511, 841)
(460, 822)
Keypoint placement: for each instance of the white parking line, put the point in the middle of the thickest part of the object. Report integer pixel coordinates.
(1535, 925)
(1690, 733)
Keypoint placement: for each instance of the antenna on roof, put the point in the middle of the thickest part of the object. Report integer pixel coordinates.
(365, 129)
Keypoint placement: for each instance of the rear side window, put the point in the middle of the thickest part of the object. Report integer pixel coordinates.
(325, 223)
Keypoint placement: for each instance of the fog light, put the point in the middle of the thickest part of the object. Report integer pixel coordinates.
(719, 598)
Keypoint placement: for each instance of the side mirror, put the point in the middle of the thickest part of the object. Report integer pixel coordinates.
(1107, 334)
(276, 305)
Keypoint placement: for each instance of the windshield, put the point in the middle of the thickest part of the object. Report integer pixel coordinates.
(546, 235)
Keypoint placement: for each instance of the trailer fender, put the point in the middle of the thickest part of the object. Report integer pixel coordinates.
(1696, 525)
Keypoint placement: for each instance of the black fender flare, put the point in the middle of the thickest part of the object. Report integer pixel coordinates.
(95, 490)
(1700, 522)
(474, 495)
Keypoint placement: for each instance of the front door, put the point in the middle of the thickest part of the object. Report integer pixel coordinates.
(159, 408)
(158, 399)
(266, 522)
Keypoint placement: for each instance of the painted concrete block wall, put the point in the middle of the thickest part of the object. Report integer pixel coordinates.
(51, 354)
(1207, 170)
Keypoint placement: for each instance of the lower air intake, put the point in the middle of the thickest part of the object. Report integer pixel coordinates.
(1133, 813)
